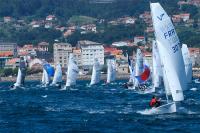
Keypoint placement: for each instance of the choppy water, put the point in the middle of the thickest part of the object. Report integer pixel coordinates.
(101, 108)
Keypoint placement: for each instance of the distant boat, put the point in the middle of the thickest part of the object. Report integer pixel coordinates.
(21, 74)
(48, 71)
(140, 75)
(96, 73)
(57, 79)
(171, 57)
(188, 62)
(138, 66)
(111, 70)
(72, 71)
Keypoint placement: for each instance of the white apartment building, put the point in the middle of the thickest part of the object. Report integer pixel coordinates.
(61, 53)
(89, 51)
(8, 47)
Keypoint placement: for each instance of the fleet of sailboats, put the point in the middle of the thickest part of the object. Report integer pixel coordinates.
(172, 65)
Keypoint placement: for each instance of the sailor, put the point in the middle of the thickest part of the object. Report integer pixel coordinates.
(154, 102)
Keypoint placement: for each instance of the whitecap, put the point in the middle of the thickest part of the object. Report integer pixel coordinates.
(193, 89)
(44, 96)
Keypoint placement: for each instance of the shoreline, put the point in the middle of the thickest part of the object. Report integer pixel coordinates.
(38, 77)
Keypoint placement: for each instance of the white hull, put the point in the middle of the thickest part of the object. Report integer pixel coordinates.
(164, 109)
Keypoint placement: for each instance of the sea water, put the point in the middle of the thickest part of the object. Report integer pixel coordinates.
(97, 109)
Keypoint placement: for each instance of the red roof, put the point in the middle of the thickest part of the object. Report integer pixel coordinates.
(6, 54)
(12, 61)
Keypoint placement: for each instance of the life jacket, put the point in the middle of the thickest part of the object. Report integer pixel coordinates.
(153, 102)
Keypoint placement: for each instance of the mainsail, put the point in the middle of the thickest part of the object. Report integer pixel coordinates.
(58, 75)
(21, 73)
(111, 71)
(72, 71)
(45, 77)
(188, 62)
(157, 69)
(138, 65)
(95, 72)
(169, 47)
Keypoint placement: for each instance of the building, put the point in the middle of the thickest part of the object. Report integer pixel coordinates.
(43, 46)
(8, 48)
(61, 53)
(138, 39)
(89, 51)
(77, 56)
(12, 63)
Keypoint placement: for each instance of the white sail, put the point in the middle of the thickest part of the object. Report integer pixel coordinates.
(95, 73)
(139, 63)
(168, 45)
(138, 66)
(72, 71)
(20, 74)
(45, 77)
(58, 75)
(111, 71)
(157, 69)
(188, 62)
(19, 78)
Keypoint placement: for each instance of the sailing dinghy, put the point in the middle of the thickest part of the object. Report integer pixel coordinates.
(57, 79)
(72, 72)
(48, 71)
(188, 63)
(171, 57)
(21, 74)
(111, 71)
(96, 73)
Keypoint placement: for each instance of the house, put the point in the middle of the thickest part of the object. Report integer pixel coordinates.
(185, 16)
(51, 17)
(12, 63)
(7, 19)
(138, 39)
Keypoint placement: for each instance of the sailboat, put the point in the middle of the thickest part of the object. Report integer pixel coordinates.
(171, 57)
(21, 74)
(133, 82)
(48, 71)
(72, 72)
(95, 72)
(188, 63)
(157, 69)
(111, 71)
(57, 79)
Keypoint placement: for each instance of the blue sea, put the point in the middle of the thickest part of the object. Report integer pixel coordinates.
(97, 109)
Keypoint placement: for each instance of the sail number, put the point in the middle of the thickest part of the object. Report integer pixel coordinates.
(175, 48)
